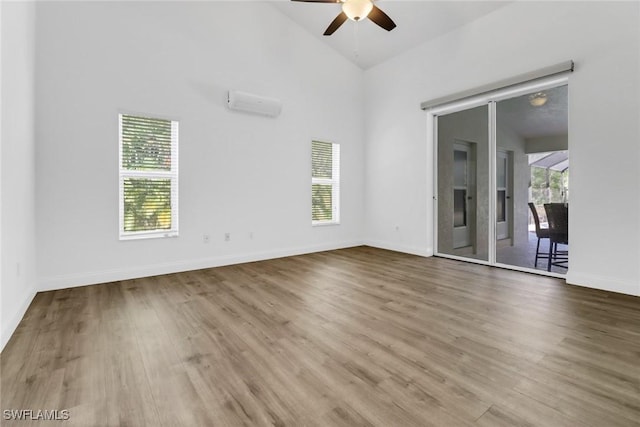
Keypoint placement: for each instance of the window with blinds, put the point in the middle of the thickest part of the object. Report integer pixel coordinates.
(325, 183)
(148, 177)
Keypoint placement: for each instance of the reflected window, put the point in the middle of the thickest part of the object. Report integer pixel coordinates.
(459, 211)
(502, 206)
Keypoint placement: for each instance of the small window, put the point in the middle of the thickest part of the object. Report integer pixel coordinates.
(148, 177)
(325, 183)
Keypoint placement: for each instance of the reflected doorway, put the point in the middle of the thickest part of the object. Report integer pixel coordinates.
(463, 192)
(504, 206)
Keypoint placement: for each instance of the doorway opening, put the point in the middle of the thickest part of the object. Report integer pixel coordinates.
(494, 156)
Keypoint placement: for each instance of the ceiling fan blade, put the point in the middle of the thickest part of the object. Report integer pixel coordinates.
(336, 24)
(318, 1)
(381, 18)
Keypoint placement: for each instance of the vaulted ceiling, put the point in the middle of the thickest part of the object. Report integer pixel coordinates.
(367, 45)
(419, 21)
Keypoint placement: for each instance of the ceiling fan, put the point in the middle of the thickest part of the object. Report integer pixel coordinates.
(356, 10)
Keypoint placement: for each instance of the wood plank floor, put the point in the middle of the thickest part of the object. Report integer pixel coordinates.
(354, 337)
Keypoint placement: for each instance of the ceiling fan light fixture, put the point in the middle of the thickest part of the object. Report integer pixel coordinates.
(357, 10)
(538, 99)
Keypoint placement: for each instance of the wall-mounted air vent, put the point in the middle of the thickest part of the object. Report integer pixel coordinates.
(250, 103)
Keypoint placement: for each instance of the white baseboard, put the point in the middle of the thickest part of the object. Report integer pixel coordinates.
(603, 283)
(9, 327)
(577, 279)
(91, 278)
(426, 252)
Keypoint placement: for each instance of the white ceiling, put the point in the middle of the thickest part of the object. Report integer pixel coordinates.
(366, 44)
(419, 21)
(529, 122)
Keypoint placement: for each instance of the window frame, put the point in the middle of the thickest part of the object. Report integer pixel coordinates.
(334, 181)
(171, 174)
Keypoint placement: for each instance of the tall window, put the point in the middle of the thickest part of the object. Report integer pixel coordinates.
(148, 177)
(325, 183)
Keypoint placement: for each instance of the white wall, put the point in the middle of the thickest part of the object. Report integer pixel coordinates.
(17, 213)
(243, 174)
(238, 173)
(603, 38)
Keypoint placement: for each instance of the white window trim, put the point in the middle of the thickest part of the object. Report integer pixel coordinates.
(172, 175)
(335, 185)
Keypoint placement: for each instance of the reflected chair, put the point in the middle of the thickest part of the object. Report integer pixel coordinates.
(541, 233)
(558, 219)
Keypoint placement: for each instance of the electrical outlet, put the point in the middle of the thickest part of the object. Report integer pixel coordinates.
(205, 238)
(251, 235)
(227, 237)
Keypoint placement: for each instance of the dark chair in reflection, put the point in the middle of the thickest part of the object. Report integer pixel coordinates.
(558, 219)
(541, 233)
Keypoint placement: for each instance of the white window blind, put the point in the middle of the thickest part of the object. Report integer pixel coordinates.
(325, 183)
(148, 177)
